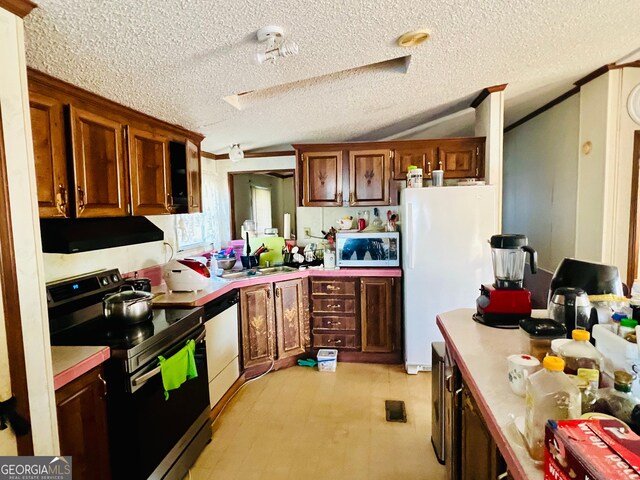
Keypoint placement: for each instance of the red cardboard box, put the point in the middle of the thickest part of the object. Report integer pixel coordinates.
(596, 449)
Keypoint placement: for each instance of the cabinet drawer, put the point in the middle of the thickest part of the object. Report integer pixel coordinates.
(334, 323)
(334, 288)
(334, 305)
(334, 340)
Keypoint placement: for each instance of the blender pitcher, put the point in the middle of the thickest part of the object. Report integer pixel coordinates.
(508, 254)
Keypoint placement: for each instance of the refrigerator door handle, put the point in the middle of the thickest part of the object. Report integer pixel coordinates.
(409, 231)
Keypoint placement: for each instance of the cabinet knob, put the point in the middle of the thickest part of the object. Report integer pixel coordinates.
(104, 383)
(61, 200)
(278, 292)
(81, 204)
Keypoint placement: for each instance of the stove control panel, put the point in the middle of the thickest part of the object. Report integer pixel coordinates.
(76, 288)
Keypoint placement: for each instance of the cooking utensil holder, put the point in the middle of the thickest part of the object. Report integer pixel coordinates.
(250, 261)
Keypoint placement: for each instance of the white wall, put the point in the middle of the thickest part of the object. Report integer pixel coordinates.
(14, 101)
(540, 181)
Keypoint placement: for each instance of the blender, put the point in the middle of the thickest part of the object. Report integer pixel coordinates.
(504, 303)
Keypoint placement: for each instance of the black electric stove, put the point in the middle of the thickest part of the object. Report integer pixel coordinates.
(141, 446)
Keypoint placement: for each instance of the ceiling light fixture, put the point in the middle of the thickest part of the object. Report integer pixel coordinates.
(273, 45)
(235, 153)
(414, 38)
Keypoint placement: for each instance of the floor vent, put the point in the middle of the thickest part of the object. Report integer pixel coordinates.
(395, 411)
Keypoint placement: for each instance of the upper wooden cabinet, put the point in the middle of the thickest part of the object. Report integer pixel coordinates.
(369, 177)
(101, 159)
(194, 179)
(461, 158)
(321, 178)
(368, 171)
(98, 165)
(423, 156)
(150, 173)
(47, 125)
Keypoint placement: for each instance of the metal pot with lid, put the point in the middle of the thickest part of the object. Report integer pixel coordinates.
(128, 306)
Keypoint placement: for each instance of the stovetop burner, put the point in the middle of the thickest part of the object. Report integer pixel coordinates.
(75, 316)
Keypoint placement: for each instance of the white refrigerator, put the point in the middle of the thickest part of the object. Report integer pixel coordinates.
(445, 257)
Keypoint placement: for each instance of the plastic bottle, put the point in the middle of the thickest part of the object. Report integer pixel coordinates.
(619, 401)
(550, 395)
(329, 259)
(626, 326)
(581, 358)
(615, 321)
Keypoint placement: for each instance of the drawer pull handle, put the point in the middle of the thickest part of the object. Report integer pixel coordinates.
(332, 287)
(334, 341)
(335, 323)
(334, 306)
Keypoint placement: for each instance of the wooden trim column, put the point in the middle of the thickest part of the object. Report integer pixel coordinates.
(21, 8)
(11, 304)
(634, 228)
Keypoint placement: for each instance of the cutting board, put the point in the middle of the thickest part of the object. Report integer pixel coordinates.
(275, 246)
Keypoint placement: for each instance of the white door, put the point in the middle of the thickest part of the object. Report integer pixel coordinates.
(8, 446)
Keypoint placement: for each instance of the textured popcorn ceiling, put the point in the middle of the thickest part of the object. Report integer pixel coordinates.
(178, 59)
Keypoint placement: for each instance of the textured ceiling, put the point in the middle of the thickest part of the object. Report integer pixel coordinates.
(178, 59)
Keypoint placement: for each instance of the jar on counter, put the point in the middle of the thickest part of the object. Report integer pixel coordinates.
(536, 335)
(627, 326)
(619, 401)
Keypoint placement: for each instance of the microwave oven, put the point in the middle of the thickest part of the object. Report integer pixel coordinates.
(368, 249)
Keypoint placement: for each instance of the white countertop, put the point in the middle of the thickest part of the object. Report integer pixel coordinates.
(480, 353)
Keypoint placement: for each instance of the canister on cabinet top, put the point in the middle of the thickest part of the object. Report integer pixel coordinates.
(414, 177)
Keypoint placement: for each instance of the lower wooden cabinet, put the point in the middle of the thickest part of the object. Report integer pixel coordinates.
(379, 314)
(275, 326)
(481, 459)
(82, 425)
(258, 327)
(290, 318)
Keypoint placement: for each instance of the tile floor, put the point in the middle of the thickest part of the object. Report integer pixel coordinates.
(299, 423)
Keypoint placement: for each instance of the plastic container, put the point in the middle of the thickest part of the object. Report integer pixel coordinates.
(627, 325)
(536, 335)
(550, 395)
(327, 360)
(238, 246)
(414, 177)
(581, 358)
(329, 258)
(618, 353)
(616, 318)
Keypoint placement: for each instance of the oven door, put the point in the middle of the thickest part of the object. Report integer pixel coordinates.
(144, 428)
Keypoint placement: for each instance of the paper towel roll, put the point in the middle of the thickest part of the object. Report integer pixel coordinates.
(287, 226)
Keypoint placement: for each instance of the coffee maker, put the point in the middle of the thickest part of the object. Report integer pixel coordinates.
(504, 303)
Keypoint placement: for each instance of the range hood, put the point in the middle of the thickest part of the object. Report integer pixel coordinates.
(87, 234)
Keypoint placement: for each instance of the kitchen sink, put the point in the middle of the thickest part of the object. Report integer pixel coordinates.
(240, 275)
(279, 269)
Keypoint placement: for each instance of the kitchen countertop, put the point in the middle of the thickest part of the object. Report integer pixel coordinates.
(219, 286)
(481, 355)
(70, 363)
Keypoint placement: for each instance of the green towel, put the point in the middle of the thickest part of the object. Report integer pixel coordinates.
(178, 368)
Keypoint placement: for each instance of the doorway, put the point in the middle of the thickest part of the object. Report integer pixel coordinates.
(264, 197)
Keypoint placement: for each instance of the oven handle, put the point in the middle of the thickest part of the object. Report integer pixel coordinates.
(142, 379)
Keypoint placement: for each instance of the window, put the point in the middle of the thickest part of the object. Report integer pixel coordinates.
(261, 208)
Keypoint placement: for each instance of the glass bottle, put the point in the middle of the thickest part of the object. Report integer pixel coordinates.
(619, 401)
(550, 395)
(581, 358)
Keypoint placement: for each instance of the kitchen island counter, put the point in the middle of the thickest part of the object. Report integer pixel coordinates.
(219, 286)
(480, 353)
(70, 363)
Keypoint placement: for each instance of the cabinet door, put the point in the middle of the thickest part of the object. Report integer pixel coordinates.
(460, 158)
(322, 179)
(377, 315)
(82, 425)
(99, 166)
(194, 177)
(256, 312)
(422, 157)
(369, 177)
(150, 173)
(481, 458)
(289, 318)
(47, 127)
